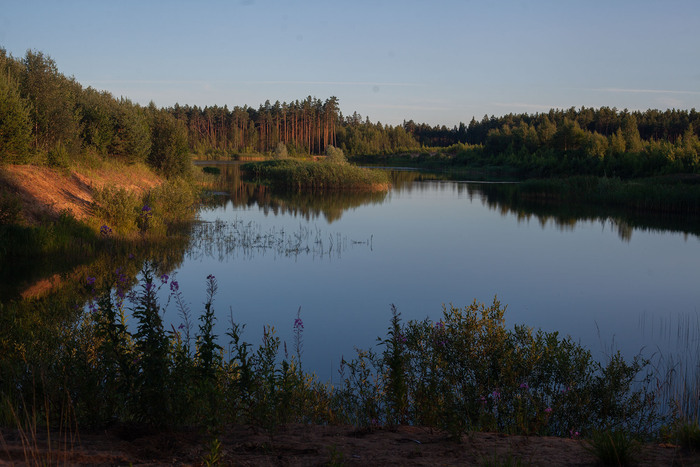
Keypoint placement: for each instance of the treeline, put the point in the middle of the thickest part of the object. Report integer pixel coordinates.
(49, 118)
(600, 141)
(45, 115)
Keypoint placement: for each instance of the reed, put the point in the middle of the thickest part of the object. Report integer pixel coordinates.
(317, 176)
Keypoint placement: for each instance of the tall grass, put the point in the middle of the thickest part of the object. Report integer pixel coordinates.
(314, 176)
(462, 373)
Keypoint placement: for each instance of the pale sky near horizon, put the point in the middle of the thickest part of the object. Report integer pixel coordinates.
(438, 62)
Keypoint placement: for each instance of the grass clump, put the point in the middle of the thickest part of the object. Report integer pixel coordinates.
(687, 435)
(126, 213)
(317, 176)
(612, 447)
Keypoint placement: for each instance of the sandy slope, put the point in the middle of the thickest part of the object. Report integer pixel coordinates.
(46, 192)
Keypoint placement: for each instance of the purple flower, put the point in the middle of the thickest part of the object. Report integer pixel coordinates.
(174, 286)
(524, 386)
(181, 326)
(146, 208)
(121, 293)
(131, 256)
(298, 324)
(211, 277)
(548, 410)
(574, 434)
(483, 400)
(105, 231)
(90, 280)
(149, 286)
(439, 325)
(164, 278)
(495, 395)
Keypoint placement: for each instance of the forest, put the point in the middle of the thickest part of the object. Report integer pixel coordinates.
(50, 118)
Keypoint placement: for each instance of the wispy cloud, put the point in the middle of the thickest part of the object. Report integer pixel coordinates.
(336, 83)
(647, 91)
(144, 81)
(301, 83)
(523, 105)
(407, 107)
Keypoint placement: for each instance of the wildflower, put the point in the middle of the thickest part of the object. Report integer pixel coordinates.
(211, 277)
(548, 410)
(90, 280)
(439, 325)
(105, 230)
(149, 286)
(574, 434)
(121, 293)
(164, 278)
(181, 326)
(298, 323)
(495, 395)
(146, 208)
(483, 400)
(174, 286)
(131, 256)
(524, 386)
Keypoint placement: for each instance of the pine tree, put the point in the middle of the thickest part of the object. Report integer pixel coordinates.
(15, 123)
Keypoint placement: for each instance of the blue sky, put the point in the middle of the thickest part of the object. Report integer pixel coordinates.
(439, 62)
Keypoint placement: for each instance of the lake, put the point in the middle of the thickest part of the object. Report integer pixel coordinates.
(610, 281)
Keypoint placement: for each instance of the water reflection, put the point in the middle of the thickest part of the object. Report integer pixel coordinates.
(497, 196)
(242, 193)
(565, 217)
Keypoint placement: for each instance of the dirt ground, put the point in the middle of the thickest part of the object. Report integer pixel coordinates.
(46, 192)
(293, 445)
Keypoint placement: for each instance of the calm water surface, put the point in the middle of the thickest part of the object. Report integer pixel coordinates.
(427, 243)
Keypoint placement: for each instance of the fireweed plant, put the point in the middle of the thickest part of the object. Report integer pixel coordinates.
(464, 372)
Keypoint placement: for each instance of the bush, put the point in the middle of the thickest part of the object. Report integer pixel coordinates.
(118, 207)
(335, 155)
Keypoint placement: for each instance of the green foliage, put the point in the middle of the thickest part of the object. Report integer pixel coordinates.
(132, 138)
(335, 155)
(687, 435)
(53, 103)
(15, 126)
(169, 150)
(612, 447)
(468, 372)
(118, 207)
(313, 176)
(166, 205)
(464, 372)
(281, 151)
(58, 157)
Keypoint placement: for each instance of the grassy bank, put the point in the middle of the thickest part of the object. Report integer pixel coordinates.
(317, 176)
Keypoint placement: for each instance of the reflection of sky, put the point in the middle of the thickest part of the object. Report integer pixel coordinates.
(436, 245)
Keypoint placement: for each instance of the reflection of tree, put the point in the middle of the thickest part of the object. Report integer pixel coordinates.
(565, 216)
(330, 204)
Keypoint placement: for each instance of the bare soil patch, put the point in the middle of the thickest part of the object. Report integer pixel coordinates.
(46, 192)
(294, 445)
